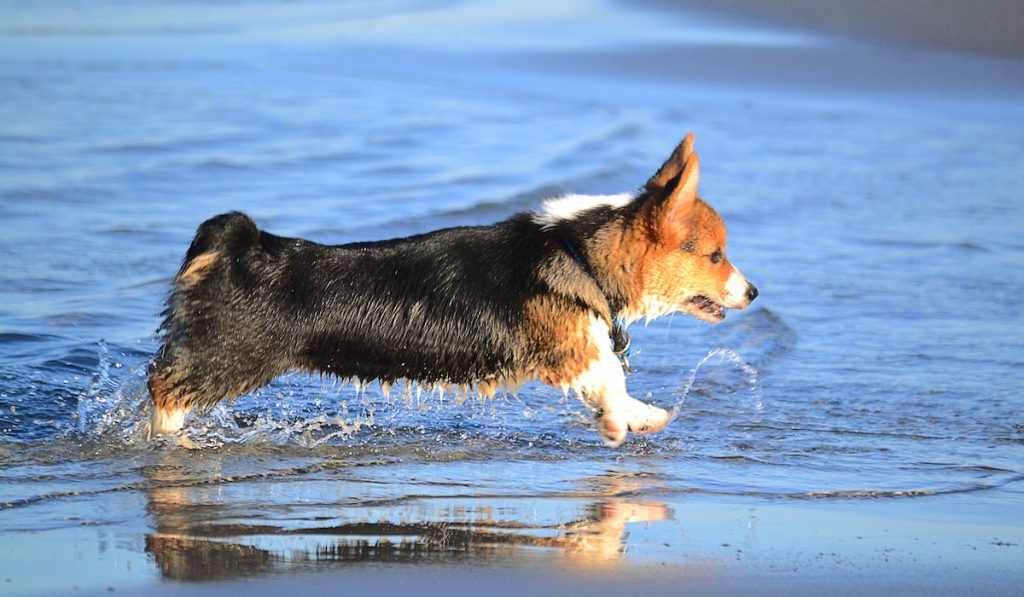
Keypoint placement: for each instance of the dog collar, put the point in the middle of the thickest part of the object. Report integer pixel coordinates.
(618, 335)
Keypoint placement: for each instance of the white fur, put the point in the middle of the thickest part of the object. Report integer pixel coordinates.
(650, 307)
(602, 387)
(604, 379)
(736, 290)
(166, 421)
(571, 206)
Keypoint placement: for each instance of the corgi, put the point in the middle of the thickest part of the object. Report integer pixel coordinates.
(540, 296)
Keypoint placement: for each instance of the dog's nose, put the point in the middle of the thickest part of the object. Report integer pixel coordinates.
(751, 292)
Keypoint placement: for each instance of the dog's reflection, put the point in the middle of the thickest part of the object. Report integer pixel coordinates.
(599, 539)
(200, 536)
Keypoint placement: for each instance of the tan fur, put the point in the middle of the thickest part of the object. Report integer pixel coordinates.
(161, 386)
(170, 406)
(488, 388)
(672, 276)
(673, 165)
(557, 338)
(620, 253)
(197, 267)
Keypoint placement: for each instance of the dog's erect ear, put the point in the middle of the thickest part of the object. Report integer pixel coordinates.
(672, 203)
(677, 208)
(673, 209)
(673, 166)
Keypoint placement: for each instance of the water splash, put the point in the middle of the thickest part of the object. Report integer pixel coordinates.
(728, 356)
(297, 410)
(111, 406)
(302, 423)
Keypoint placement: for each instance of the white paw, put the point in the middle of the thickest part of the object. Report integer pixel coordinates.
(635, 416)
(644, 418)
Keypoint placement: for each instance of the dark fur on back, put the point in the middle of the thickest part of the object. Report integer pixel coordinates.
(439, 307)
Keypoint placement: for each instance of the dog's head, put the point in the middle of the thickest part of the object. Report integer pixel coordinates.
(684, 267)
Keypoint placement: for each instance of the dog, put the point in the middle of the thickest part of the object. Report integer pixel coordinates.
(541, 296)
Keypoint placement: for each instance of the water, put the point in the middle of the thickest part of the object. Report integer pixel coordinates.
(874, 386)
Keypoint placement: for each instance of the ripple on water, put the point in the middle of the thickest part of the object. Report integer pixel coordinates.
(330, 428)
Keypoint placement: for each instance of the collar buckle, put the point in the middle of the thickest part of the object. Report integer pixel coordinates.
(620, 346)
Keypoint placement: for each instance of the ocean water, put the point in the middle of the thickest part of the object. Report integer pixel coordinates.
(864, 415)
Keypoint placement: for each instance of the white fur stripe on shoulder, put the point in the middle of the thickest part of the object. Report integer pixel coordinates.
(571, 206)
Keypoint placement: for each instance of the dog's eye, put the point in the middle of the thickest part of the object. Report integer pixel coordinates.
(716, 257)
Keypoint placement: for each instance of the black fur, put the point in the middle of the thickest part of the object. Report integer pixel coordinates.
(438, 307)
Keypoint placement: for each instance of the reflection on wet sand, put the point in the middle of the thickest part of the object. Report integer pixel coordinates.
(198, 536)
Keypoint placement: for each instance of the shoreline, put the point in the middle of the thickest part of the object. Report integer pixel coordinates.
(986, 27)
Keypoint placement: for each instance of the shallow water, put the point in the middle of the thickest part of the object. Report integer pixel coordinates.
(874, 385)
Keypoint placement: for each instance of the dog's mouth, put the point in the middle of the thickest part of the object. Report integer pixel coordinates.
(707, 309)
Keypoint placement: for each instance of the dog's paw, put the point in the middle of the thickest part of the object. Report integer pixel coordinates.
(638, 417)
(612, 427)
(644, 418)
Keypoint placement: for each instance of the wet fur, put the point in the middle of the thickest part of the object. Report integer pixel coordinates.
(444, 307)
(474, 307)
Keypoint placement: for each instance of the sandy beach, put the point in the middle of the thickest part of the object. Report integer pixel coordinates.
(858, 432)
(989, 27)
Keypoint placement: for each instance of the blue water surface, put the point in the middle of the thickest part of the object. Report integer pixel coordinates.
(878, 376)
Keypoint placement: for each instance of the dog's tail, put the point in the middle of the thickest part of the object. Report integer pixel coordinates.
(208, 341)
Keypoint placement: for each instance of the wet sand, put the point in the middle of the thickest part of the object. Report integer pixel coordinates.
(656, 543)
(443, 580)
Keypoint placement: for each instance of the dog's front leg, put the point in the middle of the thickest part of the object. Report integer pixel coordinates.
(603, 387)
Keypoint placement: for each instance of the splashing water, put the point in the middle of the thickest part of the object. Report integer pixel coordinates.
(724, 355)
(112, 406)
(300, 411)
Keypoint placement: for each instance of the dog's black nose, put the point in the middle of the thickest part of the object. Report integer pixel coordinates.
(751, 292)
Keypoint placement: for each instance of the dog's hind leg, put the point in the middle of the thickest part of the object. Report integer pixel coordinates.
(176, 388)
(219, 340)
(170, 403)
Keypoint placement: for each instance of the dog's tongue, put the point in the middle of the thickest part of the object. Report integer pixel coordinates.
(709, 306)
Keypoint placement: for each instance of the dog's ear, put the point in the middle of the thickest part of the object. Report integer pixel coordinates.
(673, 166)
(673, 203)
(677, 208)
